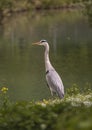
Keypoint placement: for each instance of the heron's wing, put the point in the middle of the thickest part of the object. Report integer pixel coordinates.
(55, 83)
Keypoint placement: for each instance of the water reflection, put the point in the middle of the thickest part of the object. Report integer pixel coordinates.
(22, 66)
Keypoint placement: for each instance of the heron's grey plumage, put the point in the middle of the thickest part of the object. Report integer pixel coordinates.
(55, 83)
(52, 77)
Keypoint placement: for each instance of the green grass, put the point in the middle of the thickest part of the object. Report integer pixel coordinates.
(71, 113)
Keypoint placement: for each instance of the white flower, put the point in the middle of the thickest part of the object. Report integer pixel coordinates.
(87, 103)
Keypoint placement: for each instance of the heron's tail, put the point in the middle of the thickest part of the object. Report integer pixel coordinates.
(60, 93)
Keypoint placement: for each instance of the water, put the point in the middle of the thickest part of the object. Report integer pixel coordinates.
(22, 65)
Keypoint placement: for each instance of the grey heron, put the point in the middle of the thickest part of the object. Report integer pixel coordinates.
(52, 77)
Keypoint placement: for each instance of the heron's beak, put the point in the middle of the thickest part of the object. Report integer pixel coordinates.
(37, 43)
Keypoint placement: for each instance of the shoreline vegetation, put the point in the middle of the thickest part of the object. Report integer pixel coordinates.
(8, 7)
(74, 111)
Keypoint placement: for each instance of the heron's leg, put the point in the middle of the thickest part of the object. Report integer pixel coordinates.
(52, 94)
(51, 91)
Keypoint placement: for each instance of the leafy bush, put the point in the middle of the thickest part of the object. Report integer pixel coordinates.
(72, 112)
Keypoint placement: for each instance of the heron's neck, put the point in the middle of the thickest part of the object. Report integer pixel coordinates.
(48, 65)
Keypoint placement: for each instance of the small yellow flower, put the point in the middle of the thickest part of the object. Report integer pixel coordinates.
(4, 89)
(45, 101)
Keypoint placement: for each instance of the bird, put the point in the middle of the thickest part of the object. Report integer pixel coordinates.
(53, 79)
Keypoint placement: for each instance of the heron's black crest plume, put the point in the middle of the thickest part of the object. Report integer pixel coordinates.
(43, 41)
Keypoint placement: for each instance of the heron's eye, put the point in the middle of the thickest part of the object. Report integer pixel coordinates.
(43, 41)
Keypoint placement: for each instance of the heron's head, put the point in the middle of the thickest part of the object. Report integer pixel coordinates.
(42, 42)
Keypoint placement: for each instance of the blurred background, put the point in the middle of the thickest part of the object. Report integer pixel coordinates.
(66, 25)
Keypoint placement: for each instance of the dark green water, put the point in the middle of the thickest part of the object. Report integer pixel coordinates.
(22, 65)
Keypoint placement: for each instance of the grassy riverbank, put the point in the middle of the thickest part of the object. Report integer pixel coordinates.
(9, 6)
(72, 112)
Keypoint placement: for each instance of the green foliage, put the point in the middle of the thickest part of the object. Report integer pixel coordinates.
(52, 4)
(26, 4)
(72, 112)
(5, 4)
(73, 90)
(88, 10)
